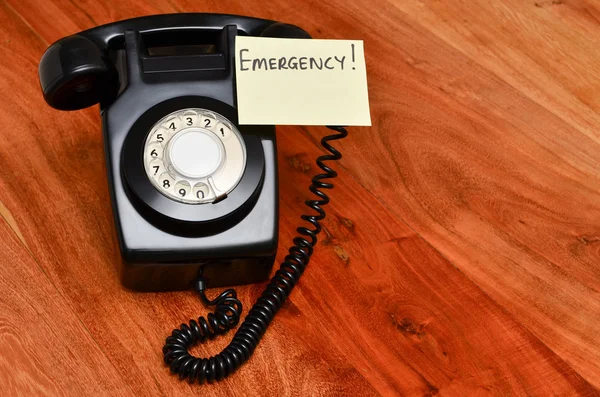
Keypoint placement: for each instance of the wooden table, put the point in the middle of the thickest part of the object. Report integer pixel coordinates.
(461, 252)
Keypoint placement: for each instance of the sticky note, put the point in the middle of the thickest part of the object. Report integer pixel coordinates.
(301, 82)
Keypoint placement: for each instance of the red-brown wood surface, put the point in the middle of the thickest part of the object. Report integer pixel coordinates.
(461, 252)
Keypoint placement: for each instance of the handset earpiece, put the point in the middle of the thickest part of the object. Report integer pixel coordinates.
(283, 30)
(75, 73)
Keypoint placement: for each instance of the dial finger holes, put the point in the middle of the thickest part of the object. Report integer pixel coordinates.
(201, 191)
(223, 131)
(190, 119)
(161, 135)
(154, 150)
(182, 188)
(157, 167)
(208, 121)
(165, 181)
(173, 124)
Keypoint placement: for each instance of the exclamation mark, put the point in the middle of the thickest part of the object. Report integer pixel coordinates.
(353, 60)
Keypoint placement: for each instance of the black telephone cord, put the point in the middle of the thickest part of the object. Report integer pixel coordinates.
(229, 308)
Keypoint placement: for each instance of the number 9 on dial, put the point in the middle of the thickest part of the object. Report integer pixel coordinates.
(182, 188)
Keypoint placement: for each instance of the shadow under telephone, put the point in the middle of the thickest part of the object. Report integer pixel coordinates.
(194, 194)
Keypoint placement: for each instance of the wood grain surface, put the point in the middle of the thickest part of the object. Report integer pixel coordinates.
(461, 252)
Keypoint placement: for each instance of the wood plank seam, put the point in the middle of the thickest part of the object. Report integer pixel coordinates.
(12, 223)
(19, 236)
(492, 73)
(400, 219)
(544, 109)
(26, 23)
(175, 7)
(64, 298)
(83, 11)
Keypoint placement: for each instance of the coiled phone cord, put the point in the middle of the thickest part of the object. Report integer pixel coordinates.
(229, 308)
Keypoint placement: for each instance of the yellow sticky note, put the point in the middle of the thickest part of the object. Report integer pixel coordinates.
(301, 81)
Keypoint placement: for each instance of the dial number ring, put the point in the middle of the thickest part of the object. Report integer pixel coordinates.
(194, 156)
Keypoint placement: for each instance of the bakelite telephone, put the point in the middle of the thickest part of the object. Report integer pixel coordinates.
(194, 194)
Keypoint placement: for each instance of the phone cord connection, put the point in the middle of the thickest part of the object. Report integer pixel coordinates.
(229, 307)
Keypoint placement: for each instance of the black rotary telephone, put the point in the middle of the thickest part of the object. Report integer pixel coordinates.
(194, 194)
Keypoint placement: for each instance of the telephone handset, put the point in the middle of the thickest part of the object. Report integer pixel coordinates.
(194, 194)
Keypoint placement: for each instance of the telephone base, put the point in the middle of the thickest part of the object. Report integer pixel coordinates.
(156, 277)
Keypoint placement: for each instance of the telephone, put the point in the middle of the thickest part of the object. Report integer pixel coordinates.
(194, 194)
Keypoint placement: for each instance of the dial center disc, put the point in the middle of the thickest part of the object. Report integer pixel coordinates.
(195, 153)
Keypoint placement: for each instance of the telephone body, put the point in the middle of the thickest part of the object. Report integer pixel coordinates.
(192, 191)
(194, 194)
